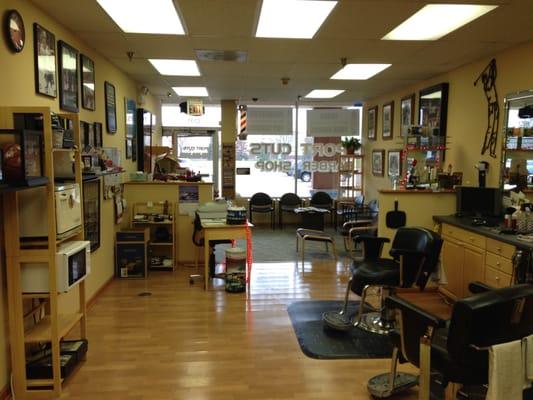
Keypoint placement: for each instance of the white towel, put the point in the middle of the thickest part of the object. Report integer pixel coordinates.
(527, 344)
(506, 371)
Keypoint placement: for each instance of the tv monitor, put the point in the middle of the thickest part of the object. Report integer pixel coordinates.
(478, 202)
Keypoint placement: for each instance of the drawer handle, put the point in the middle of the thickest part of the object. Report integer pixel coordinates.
(498, 264)
(471, 239)
(499, 249)
(497, 278)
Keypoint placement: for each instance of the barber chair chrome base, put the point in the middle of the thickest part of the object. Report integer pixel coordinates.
(375, 323)
(386, 385)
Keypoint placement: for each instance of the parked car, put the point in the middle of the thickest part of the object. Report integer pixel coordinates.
(304, 176)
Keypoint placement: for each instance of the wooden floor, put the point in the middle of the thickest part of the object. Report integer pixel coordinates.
(184, 343)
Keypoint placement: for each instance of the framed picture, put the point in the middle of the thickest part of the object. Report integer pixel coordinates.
(129, 148)
(68, 77)
(134, 149)
(372, 123)
(131, 121)
(395, 163)
(87, 83)
(377, 162)
(388, 116)
(407, 106)
(98, 142)
(14, 30)
(45, 61)
(110, 108)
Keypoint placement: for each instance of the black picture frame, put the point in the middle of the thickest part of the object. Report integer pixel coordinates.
(88, 97)
(68, 77)
(14, 30)
(92, 212)
(98, 139)
(372, 123)
(407, 113)
(394, 163)
(129, 148)
(433, 109)
(110, 107)
(44, 43)
(387, 121)
(378, 162)
(131, 120)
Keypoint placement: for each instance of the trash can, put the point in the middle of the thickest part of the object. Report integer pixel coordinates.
(235, 270)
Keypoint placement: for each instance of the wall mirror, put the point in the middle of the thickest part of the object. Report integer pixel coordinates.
(517, 145)
(433, 109)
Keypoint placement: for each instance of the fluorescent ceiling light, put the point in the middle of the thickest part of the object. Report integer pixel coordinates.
(188, 91)
(175, 67)
(359, 71)
(144, 16)
(323, 94)
(436, 20)
(292, 19)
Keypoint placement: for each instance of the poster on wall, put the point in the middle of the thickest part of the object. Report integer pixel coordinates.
(110, 108)
(45, 61)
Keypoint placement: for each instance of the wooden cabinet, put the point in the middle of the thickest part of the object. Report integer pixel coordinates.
(467, 257)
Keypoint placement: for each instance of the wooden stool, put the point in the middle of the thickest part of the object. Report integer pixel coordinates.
(313, 235)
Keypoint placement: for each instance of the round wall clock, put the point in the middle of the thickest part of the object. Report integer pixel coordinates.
(14, 29)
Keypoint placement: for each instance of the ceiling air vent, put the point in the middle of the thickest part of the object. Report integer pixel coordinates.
(222, 55)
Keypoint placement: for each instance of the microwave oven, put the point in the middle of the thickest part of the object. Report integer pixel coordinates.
(34, 219)
(73, 264)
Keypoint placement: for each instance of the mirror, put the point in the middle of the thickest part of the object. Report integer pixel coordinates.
(517, 149)
(433, 110)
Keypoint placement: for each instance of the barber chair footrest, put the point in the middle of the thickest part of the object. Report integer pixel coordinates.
(373, 322)
(379, 386)
(336, 320)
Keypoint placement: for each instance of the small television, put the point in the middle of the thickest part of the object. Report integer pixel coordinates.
(478, 202)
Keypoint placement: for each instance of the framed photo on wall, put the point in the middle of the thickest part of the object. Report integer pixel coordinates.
(372, 122)
(45, 61)
(407, 110)
(388, 117)
(110, 107)
(68, 77)
(131, 120)
(87, 83)
(394, 163)
(98, 141)
(378, 162)
(129, 148)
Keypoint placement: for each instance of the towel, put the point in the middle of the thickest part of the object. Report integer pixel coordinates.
(527, 344)
(506, 371)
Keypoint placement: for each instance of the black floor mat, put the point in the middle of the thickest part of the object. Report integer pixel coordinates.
(318, 341)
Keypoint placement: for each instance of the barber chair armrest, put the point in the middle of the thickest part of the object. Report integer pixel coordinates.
(364, 228)
(371, 239)
(395, 302)
(405, 252)
(479, 287)
(358, 223)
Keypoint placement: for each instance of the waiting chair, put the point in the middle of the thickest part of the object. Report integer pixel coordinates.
(345, 209)
(287, 203)
(415, 255)
(358, 219)
(458, 349)
(324, 201)
(198, 241)
(261, 203)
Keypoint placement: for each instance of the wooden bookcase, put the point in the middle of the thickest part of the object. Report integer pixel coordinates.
(49, 324)
(157, 248)
(350, 176)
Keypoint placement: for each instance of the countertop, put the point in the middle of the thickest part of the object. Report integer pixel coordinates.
(417, 191)
(492, 232)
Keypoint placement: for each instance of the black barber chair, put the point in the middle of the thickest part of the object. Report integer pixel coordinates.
(415, 255)
(458, 349)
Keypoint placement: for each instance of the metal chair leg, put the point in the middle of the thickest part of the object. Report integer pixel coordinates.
(361, 305)
(334, 249)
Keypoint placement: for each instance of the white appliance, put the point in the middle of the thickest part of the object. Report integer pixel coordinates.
(73, 264)
(33, 216)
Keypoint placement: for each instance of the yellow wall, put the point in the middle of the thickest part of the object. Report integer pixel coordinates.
(18, 89)
(467, 115)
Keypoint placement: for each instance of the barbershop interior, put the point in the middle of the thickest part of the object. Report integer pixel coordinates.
(266, 199)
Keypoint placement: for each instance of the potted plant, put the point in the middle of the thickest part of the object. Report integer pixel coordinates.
(351, 144)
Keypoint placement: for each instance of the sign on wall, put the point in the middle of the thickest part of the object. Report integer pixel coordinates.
(269, 121)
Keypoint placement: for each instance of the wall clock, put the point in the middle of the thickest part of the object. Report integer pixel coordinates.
(14, 30)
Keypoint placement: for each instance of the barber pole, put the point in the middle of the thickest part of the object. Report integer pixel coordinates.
(242, 124)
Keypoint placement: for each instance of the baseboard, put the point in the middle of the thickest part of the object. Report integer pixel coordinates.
(97, 294)
(5, 392)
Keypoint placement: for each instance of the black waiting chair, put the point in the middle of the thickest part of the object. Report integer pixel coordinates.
(358, 219)
(324, 201)
(457, 349)
(262, 203)
(287, 203)
(415, 256)
(198, 241)
(346, 209)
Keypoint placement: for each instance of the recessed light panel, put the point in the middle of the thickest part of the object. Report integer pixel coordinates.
(292, 19)
(175, 67)
(437, 20)
(359, 71)
(187, 91)
(323, 94)
(144, 16)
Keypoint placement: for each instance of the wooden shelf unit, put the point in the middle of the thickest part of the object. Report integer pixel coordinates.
(156, 248)
(350, 176)
(53, 326)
